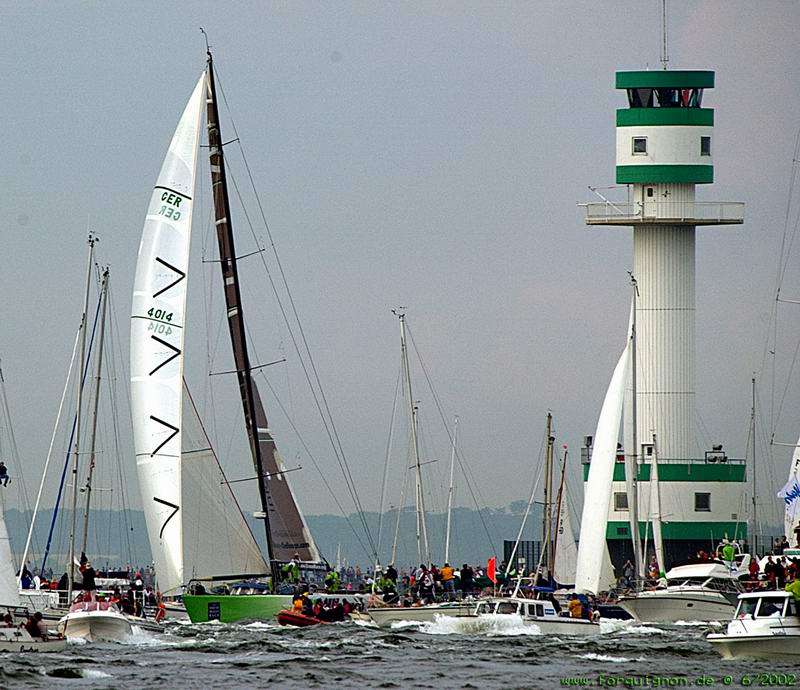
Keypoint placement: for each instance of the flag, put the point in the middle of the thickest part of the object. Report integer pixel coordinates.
(491, 569)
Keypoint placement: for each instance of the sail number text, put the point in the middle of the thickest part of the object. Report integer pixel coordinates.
(159, 314)
(170, 208)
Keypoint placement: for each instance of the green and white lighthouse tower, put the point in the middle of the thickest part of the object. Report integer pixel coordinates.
(664, 150)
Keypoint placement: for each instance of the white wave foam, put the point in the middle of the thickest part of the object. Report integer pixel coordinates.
(698, 623)
(629, 627)
(490, 624)
(95, 673)
(607, 657)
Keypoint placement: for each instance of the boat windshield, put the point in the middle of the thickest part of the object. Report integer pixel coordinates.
(770, 607)
(506, 607)
(747, 607)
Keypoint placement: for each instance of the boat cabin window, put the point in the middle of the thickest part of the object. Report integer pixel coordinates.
(506, 607)
(483, 609)
(747, 607)
(536, 610)
(770, 606)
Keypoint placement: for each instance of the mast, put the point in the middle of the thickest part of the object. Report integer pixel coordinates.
(632, 457)
(548, 512)
(450, 493)
(76, 447)
(233, 302)
(754, 544)
(422, 530)
(92, 444)
(559, 499)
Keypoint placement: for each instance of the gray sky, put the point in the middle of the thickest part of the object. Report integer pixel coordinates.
(423, 154)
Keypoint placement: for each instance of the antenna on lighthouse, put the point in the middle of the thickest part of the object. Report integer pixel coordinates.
(664, 54)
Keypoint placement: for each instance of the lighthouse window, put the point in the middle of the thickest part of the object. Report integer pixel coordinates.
(702, 503)
(639, 146)
(620, 501)
(705, 146)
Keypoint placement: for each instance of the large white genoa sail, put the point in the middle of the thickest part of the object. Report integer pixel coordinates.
(157, 344)
(216, 538)
(790, 494)
(9, 593)
(592, 548)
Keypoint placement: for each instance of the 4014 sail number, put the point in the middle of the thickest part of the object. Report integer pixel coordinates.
(159, 314)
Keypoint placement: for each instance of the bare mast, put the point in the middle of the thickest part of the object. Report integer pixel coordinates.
(233, 303)
(98, 378)
(78, 404)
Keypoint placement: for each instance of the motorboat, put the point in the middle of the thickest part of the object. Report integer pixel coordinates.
(696, 592)
(298, 620)
(386, 617)
(18, 640)
(540, 612)
(766, 625)
(95, 621)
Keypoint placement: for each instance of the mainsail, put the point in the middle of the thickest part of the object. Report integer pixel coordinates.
(592, 548)
(790, 494)
(566, 551)
(287, 533)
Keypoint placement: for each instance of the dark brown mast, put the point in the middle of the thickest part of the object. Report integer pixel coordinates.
(285, 529)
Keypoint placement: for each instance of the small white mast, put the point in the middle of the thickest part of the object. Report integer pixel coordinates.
(450, 493)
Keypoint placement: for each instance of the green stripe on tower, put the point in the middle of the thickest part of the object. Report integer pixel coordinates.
(711, 531)
(633, 117)
(683, 472)
(676, 79)
(654, 174)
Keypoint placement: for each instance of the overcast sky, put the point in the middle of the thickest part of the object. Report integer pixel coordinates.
(420, 154)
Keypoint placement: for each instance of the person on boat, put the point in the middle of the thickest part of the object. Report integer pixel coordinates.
(89, 585)
(332, 581)
(391, 573)
(449, 581)
(32, 626)
(8, 621)
(652, 569)
(575, 607)
(297, 604)
(26, 579)
(728, 553)
(307, 606)
(4, 474)
(466, 579)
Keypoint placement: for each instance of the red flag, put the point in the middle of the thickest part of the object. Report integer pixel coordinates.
(491, 569)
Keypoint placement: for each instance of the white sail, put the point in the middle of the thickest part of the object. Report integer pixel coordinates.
(592, 548)
(9, 594)
(216, 538)
(790, 494)
(566, 553)
(655, 513)
(157, 337)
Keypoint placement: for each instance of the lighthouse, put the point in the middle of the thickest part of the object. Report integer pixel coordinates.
(664, 151)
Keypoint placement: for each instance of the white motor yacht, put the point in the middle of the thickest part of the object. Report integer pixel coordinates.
(766, 625)
(540, 612)
(695, 592)
(385, 617)
(95, 621)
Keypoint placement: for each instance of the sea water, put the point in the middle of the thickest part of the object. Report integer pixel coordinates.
(490, 652)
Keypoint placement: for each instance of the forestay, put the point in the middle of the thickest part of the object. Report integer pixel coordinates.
(157, 345)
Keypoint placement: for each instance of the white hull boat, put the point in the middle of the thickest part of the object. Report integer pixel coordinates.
(696, 592)
(17, 640)
(386, 617)
(766, 625)
(541, 613)
(94, 622)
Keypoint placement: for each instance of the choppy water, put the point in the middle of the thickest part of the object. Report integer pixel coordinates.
(450, 653)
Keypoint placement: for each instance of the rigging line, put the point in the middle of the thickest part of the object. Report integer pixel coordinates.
(82, 377)
(113, 398)
(462, 465)
(327, 422)
(316, 465)
(389, 444)
(788, 382)
(343, 459)
(786, 252)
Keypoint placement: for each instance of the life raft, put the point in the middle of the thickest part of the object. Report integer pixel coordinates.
(300, 620)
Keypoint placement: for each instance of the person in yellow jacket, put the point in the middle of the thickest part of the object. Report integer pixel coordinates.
(448, 580)
(794, 588)
(575, 607)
